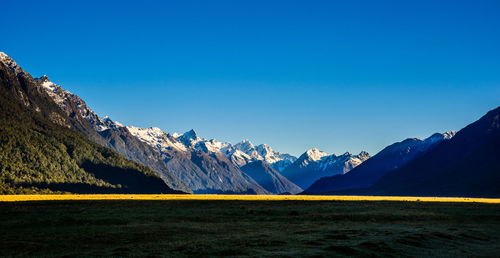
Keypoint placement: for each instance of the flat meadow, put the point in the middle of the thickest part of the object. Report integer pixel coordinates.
(203, 226)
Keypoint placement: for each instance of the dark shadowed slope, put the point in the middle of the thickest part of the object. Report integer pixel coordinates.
(387, 160)
(39, 153)
(269, 178)
(466, 165)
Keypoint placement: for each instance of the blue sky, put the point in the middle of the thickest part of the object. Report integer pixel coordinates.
(337, 75)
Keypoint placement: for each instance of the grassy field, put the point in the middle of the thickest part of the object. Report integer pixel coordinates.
(248, 228)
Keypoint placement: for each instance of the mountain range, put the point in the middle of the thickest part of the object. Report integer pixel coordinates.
(52, 141)
(315, 164)
(389, 159)
(185, 162)
(465, 163)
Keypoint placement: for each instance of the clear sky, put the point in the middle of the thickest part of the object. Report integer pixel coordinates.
(337, 75)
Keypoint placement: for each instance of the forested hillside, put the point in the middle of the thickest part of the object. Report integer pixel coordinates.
(38, 153)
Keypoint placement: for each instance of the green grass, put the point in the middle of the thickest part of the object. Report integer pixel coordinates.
(241, 228)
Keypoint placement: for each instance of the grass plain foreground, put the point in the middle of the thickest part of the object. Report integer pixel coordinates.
(176, 228)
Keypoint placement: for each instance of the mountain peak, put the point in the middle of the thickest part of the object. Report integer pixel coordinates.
(440, 136)
(263, 146)
(245, 146)
(107, 123)
(246, 142)
(44, 78)
(264, 149)
(364, 154)
(45, 82)
(155, 130)
(449, 134)
(9, 62)
(188, 138)
(4, 56)
(315, 154)
(191, 135)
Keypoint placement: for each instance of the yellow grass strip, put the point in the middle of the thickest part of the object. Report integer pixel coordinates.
(20, 198)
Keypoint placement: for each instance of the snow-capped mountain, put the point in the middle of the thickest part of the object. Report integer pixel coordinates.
(185, 162)
(240, 154)
(389, 159)
(323, 161)
(181, 164)
(315, 164)
(310, 156)
(156, 138)
(278, 161)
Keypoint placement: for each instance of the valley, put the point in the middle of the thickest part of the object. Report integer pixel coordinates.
(250, 129)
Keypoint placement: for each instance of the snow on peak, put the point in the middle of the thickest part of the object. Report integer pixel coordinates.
(240, 153)
(6, 59)
(47, 84)
(149, 132)
(322, 161)
(3, 56)
(315, 154)
(189, 138)
(105, 123)
(440, 136)
(211, 145)
(44, 78)
(237, 156)
(156, 138)
(156, 130)
(264, 150)
(9, 62)
(58, 95)
(448, 135)
(245, 146)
